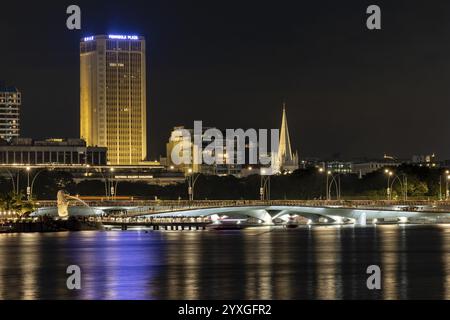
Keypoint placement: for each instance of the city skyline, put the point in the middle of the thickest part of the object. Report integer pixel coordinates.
(369, 111)
(227, 158)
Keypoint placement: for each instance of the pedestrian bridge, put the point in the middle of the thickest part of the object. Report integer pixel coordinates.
(278, 214)
(264, 212)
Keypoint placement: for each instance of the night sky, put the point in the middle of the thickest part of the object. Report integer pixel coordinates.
(349, 91)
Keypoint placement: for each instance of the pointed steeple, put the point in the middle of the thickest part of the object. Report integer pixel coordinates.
(286, 158)
(284, 151)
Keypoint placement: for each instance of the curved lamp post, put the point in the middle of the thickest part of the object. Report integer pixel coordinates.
(403, 184)
(264, 189)
(191, 179)
(30, 187)
(336, 180)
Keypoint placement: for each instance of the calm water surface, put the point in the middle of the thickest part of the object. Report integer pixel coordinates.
(308, 263)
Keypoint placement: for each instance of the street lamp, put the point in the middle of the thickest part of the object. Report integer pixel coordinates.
(403, 184)
(191, 179)
(328, 174)
(446, 177)
(336, 179)
(33, 180)
(264, 190)
(446, 186)
(328, 188)
(111, 183)
(388, 190)
(28, 183)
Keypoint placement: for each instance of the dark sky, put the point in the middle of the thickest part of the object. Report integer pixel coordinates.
(231, 63)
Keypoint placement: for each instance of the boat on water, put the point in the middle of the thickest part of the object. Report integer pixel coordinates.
(234, 224)
(5, 228)
(292, 223)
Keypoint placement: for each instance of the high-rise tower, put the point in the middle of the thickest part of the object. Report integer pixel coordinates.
(113, 96)
(287, 160)
(10, 103)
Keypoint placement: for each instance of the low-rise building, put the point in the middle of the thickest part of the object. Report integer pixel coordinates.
(363, 168)
(51, 151)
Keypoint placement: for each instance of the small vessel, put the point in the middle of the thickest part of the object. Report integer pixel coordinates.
(291, 224)
(233, 224)
(5, 228)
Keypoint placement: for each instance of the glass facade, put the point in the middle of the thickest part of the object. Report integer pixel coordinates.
(113, 97)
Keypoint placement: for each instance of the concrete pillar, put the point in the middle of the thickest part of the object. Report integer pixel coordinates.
(362, 219)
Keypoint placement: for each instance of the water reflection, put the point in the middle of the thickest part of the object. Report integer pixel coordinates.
(306, 263)
(327, 262)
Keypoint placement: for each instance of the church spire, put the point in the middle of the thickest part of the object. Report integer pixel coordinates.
(286, 159)
(284, 151)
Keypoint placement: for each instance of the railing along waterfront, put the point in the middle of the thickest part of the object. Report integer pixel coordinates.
(159, 206)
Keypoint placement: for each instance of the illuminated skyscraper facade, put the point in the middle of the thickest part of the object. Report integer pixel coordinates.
(113, 96)
(10, 103)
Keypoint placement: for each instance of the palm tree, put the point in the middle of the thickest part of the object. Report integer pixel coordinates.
(16, 202)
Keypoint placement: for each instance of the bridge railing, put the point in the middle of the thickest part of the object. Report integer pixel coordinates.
(158, 206)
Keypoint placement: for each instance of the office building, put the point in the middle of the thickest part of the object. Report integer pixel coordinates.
(113, 96)
(10, 104)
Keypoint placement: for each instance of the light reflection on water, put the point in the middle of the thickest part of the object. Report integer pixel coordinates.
(306, 263)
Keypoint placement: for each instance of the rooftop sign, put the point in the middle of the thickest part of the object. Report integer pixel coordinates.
(122, 37)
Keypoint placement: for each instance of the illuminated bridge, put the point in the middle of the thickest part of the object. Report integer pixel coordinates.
(263, 213)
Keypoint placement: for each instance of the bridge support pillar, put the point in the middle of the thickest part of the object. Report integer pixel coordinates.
(362, 219)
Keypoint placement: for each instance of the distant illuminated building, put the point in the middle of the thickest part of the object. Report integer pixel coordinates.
(339, 167)
(428, 160)
(185, 146)
(113, 96)
(10, 103)
(287, 160)
(26, 151)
